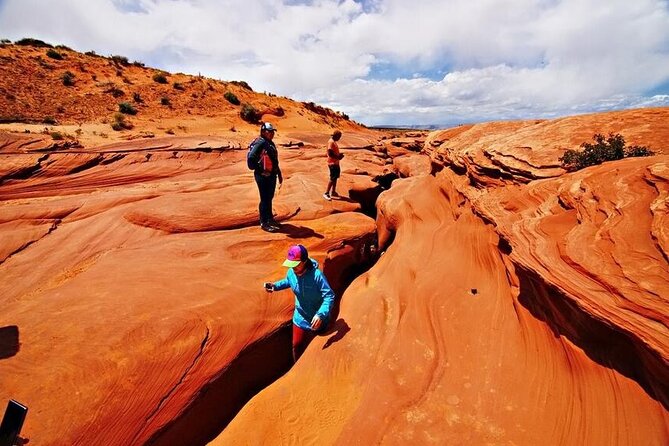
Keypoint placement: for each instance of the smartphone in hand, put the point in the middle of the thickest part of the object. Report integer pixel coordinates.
(12, 422)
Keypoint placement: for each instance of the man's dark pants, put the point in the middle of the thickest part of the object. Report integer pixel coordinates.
(266, 188)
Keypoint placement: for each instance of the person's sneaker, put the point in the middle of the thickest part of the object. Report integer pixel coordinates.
(334, 194)
(267, 228)
(274, 223)
(327, 196)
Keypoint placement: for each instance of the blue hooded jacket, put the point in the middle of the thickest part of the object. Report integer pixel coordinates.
(313, 295)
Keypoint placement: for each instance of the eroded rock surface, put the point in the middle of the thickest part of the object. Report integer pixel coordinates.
(514, 303)
(135, 285)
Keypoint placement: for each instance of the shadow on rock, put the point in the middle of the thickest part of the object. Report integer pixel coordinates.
(340, 329)
(9, 341)
(293, 231)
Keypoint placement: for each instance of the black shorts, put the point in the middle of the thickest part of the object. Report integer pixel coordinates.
(335, 171)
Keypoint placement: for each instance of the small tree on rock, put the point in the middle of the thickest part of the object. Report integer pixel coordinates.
(609, 148)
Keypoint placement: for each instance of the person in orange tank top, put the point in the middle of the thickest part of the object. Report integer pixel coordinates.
(333, 165)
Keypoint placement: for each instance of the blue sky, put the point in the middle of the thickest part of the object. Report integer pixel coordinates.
(394, 62)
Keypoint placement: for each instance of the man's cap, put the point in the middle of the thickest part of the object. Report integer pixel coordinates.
(296, 254)
(268, 127)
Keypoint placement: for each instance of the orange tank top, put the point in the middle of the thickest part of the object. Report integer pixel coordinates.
(332, 146)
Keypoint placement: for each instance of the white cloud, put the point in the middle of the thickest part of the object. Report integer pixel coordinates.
(457, 60)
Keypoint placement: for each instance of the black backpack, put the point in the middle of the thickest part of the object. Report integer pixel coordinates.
(250, 162)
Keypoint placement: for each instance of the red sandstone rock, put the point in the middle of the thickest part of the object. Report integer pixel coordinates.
(465, 330)
(513, 303)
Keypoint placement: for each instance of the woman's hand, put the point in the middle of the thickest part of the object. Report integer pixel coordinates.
(269, 286)
(316, 323)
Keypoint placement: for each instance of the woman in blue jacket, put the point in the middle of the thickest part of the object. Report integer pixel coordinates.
(313, 297)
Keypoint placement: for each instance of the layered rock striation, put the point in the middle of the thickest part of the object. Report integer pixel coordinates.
(514, 303)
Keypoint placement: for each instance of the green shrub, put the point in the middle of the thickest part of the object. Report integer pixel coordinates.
(120, 60)
(68, 79)
(603, 149)
(127, 108)
(57, 136)
(178, 86)
(249, 114)
(54, 54)
(137, 98)
(33, 42)
(165, 100)
(160, 78)
(242, 84)
(43, 63)
(50, 120)
(115, 91)
(120, 123)
(231, 98)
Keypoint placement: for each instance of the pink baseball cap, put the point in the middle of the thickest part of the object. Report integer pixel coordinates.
(296, 254)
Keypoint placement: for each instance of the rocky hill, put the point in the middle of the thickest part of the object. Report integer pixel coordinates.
(76, 97)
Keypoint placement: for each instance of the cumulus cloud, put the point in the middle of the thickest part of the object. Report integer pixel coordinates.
(387, 61)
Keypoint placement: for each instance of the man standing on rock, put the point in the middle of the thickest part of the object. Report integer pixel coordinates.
(333, 165)
(264, 156)
(313, 297)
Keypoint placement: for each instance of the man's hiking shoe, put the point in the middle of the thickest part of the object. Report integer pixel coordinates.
(327, 196)
(334, 194)
(268, 228)
(274, 224)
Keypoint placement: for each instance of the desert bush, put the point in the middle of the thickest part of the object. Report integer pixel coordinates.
(316, 108)
(115, 91)
(120, 123)
(120, 60)
(165, 101)
(603, 149)
(178, 86)
(57, 136)
(137, 98)
(138, 64)
(231, 98)
(160, 78)
(638, 151)
(50, 120)
(127, 108)
(63, 47)
(242, 84)
(33, 42)
(68, 79)
(249, 114)
(4, 42)
(44, 64)
(54, 54)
